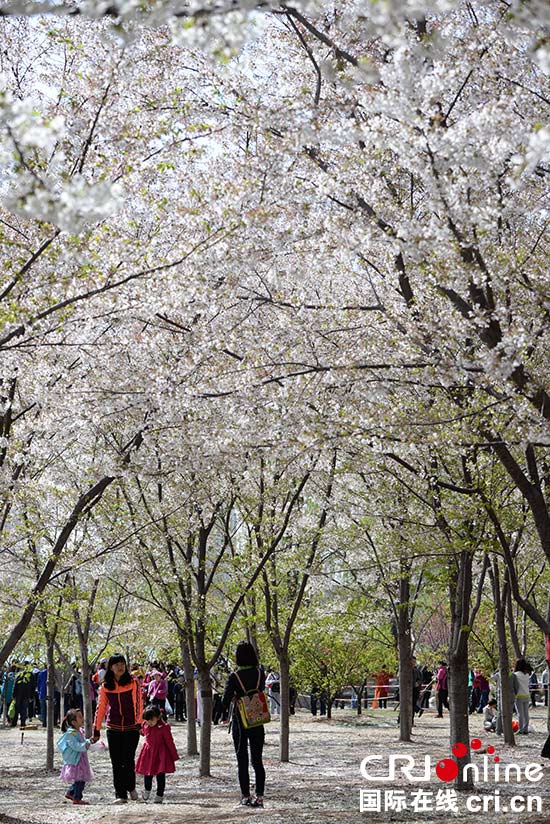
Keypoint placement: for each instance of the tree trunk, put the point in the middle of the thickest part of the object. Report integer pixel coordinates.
(457, 684)
(86, 677)
(404, 646)
(505, 693)
(189, 698)
(206, 725)
(284, 709)
(330, 702)
(50, 700)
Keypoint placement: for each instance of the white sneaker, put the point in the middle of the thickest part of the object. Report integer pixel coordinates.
(119, 801)
(146, 795)
(158, 799)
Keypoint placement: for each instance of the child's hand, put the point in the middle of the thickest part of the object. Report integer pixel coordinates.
(88, 744)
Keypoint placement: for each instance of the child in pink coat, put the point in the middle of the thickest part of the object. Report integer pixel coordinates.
(158, 755)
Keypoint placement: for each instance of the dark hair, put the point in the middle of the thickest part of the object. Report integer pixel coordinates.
(523, 666)
(245, 655)
(109, 679)
(152, 711)
(492, 702)
(69, 718)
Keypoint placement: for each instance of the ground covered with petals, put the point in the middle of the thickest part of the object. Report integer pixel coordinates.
(321, 783)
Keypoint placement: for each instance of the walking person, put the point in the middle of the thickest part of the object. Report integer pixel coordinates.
(248, 676)
(381, 689)
(73, 747)
(522, 671)
(442, 687)
(159, 754)
(120, 704)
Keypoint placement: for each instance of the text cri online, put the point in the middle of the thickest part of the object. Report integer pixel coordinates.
(445, 801)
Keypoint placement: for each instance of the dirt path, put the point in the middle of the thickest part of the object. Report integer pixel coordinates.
(321, 785)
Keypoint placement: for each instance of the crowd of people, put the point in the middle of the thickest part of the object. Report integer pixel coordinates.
(134, 702)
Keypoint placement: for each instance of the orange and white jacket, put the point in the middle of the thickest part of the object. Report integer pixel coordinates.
(121, 707)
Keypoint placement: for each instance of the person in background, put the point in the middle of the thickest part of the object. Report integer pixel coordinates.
(427, 681)
(179, 698)
(381, 688)
(273, 686)
(522, 671)
(157, 691)
(534, 688)
(42, 693)
(23, 690)
(484, 690)
(490, 716)
(442, 687)
(545, 684)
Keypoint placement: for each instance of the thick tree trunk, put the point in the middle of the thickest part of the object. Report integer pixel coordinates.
(206, 725)
(460, 595)
(284, 697)
(458, 704)
(189, 670)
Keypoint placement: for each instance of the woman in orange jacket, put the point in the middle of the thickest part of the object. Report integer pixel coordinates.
(120, 704)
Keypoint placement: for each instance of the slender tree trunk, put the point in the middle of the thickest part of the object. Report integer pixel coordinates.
(284, 697)
(512, 624)
(206, 725)
(189, 670)
(404, 646)
(86, 671)
(505, 695)
(50, 700)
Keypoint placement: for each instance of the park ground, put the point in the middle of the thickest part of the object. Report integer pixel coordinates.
(320, 785)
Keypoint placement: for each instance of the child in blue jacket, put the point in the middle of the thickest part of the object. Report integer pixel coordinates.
(72, 745)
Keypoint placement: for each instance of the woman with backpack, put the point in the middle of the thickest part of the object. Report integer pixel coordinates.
(248, 678)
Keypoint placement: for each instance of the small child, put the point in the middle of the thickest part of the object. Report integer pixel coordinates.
(158, 755)
(490, 716)
(72, 745)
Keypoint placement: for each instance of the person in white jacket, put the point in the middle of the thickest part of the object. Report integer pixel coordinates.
(522, 672)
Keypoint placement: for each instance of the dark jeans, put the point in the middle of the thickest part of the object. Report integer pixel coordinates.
(76, 790)
(161, 783)
(122, 749)
(43, 711)
(179, 708)
(21, 711)
(322, 706)
(442, 701)
(241, 739)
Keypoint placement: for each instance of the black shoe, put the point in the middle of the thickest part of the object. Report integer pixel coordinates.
(258, 802)
(246, 802)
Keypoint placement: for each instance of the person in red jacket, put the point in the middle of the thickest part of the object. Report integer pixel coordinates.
(120, 704)
(158, 755)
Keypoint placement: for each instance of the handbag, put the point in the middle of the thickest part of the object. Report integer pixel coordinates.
(252, 706)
